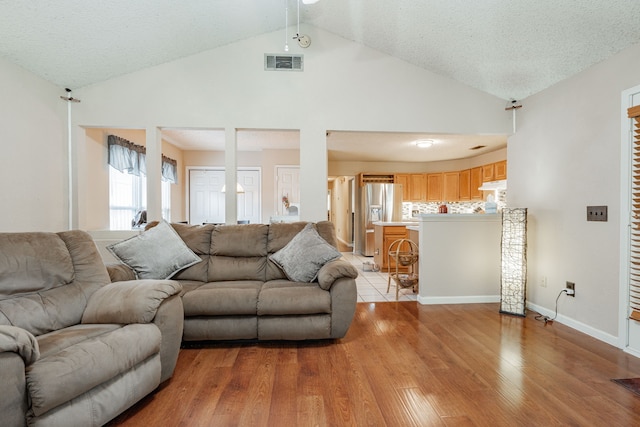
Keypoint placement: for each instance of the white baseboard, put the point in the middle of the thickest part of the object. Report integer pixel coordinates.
(579, 326)
(477, 299)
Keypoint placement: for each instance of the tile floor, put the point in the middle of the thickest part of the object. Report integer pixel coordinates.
(372, 285)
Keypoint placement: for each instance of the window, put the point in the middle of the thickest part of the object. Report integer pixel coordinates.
(128, 195)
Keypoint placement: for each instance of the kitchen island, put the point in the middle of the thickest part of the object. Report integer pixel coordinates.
(459, 258)
(385, 233)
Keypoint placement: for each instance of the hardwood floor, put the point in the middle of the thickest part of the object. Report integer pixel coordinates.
(403, 364)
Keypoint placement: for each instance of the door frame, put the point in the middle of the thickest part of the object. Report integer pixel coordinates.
(625, 218)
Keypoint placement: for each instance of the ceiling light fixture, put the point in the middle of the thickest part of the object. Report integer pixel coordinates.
(303, 39)
(239, 188)
(424, 143)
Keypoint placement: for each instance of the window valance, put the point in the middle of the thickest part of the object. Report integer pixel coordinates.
(126, 156)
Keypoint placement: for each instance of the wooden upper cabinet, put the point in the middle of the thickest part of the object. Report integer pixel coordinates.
(488, 172)
(403, 178)
(413, 186)
(465, 184)
(417, 186)
(451, 186)
(434, 187)
(500, 170)
(475, 183)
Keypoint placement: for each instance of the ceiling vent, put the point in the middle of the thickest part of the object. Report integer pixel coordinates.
(283, 62)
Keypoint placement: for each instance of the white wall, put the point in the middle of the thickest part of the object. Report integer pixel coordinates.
(345, 86)
(33, 165)
(564, 156)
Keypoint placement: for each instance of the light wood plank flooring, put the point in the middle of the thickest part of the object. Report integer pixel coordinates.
(403, 364)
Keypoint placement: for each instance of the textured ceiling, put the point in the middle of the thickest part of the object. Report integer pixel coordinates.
(509, 48)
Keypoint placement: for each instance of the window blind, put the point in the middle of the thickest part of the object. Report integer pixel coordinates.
(634, 267)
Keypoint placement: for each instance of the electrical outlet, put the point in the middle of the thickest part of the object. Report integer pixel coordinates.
(543, 282)
(572, 288)
(597, 213)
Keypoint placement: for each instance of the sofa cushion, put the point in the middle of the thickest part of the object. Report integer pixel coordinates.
(238, 252)
(198, 239)
(31, 262)
(129, 302)
(158, 253)
(304, 255)
(76, 369)
(55, 341)
(283, 297)
(223, 299)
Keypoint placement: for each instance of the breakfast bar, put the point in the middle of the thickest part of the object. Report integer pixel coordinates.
(459, 258)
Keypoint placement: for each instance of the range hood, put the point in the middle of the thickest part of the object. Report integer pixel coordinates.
(494, 185)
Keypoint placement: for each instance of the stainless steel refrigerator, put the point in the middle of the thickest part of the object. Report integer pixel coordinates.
(377, 202)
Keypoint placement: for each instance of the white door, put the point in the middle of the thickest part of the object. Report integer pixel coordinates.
(206, 200)
(630, 227)
(249, 206)
(287, 186)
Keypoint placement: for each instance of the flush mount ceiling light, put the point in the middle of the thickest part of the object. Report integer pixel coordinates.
(424, 143)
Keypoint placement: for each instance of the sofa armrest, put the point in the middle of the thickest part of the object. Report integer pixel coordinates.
(344, 297)
(20, 341)
(14, 402)
(134, 301)
(170, 320)
(334, 270)
(119, 272)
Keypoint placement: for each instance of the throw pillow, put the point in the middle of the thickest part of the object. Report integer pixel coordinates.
(304, 255)
(158, 253)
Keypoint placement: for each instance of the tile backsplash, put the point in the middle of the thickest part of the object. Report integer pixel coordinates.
(412, 209)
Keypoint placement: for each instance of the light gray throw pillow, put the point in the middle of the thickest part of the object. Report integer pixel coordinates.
(158, 253)
(304, 255)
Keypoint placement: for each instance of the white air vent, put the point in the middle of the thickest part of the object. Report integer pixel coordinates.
(283, 62)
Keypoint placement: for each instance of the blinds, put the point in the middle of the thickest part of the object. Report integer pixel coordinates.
(634, 267)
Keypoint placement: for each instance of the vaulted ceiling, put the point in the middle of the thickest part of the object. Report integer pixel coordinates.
(508, 48)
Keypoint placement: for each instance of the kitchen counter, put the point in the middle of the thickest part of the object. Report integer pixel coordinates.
(392, 223)
(459, 217)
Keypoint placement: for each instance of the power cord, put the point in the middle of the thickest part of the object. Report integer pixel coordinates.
(548, 319)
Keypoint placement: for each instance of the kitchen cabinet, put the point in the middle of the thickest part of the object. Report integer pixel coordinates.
(488, 172)
(475, 183)
(417, 186)
(500, 170)
(413, 186)
(465, 184)
(434, 187)
(451, 186)
(403, 179)
(384, 236)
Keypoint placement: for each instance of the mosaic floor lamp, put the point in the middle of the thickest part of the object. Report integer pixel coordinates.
(513, 282)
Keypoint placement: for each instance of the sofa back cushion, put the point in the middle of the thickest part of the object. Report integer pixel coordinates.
(238, 252)
(198, 239)
(47, 278)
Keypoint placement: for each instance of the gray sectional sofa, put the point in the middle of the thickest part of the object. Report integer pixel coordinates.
(237, 291)
(76, 350)
(81, 342)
